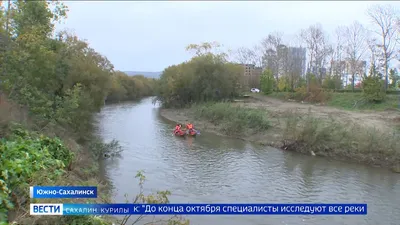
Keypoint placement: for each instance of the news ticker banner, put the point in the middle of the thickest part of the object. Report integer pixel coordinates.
(198, 209)
(63, 192)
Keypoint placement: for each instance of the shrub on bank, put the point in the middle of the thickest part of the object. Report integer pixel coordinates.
(235, 120)
(373, 89)
(23, 155)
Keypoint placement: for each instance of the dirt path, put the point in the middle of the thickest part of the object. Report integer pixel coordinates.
(385, 121)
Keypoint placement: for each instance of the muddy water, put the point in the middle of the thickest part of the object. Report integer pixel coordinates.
(210, 169)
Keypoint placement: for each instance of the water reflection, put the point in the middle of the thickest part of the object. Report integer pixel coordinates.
(211, 169)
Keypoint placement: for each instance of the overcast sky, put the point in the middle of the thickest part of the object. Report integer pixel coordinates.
(150, 36)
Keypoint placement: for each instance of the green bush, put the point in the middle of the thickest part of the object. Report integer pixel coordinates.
(24, 155)
(373, 89)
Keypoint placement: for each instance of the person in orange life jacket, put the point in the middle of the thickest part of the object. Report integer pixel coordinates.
(178, 129)
(189, 127)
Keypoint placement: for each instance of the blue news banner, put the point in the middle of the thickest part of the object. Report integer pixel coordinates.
(198, 209)
(175, 209)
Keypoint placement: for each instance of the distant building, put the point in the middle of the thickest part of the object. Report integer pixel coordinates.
(285, 60)
(297, 59)
(251, 75)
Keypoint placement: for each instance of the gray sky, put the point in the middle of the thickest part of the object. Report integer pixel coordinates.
(150, 36)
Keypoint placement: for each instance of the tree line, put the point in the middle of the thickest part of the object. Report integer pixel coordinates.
(347, 52)
(208, 76)
(59, 77)
(212, 75)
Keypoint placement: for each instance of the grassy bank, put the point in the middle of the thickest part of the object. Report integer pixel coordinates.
(349, 101)
(233, 120)
(292, 131)
(332, 138)
(47, 156)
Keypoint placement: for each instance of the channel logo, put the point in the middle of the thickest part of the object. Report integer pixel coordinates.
(46, 209)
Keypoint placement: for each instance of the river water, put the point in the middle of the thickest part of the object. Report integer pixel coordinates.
(211, 169)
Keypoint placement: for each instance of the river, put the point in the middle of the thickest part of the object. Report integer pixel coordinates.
(211, 169)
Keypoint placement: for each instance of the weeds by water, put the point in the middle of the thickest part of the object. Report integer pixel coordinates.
(333, 138)
(100, 149)
(233, 119)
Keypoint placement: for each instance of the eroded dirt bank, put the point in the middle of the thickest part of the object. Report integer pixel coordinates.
(279, 112)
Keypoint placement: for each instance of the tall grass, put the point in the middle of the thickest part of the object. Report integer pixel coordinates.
(234, 120)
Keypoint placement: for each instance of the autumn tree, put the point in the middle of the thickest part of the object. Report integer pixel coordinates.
(318, 47)
(384, 18)
(273, 59)
(355, 47)
(267, 81)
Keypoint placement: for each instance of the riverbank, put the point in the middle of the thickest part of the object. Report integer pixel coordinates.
(362, 137)
(61, 162)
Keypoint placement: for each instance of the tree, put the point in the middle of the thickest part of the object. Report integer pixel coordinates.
(318, 49)
(355, 47)
(252, 55)
(206, 77)
(373, 89)
(384, 17)
(272, 57)
(371, 43)
(203, 48)
(267, 82)
(337, 53)
(244, 55)
(394, 77)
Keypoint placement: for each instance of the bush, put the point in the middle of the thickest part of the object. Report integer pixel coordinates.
(300, 93)
(315, 94)
(373, 89)
(100, 149)
(283, 84)
(332, 83)
(24, 155)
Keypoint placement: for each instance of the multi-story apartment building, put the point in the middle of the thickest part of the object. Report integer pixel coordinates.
(285, 60)
(297, 59)
(251, 76)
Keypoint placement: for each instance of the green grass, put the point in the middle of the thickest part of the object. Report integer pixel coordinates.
(233, 120)
(352, 101)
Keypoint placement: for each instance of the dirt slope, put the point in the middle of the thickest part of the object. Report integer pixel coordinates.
(385, 121)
